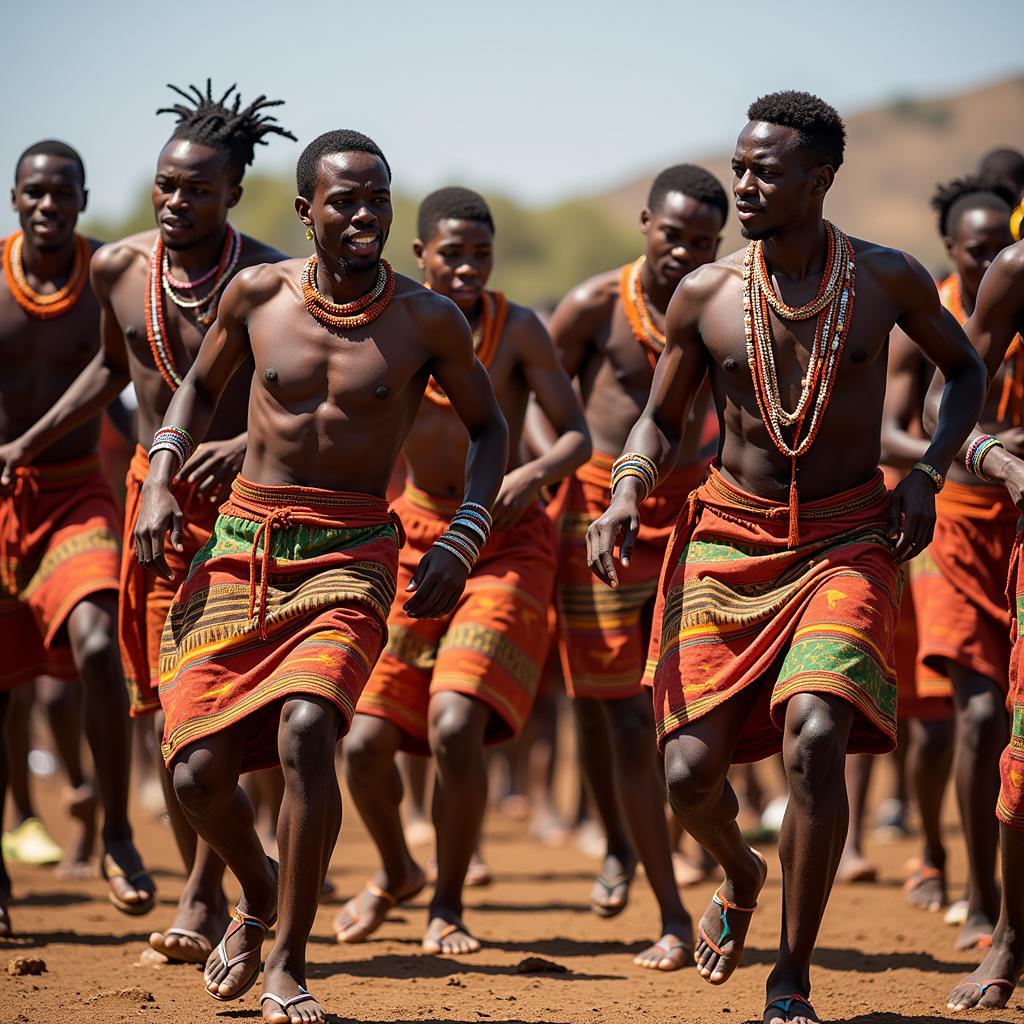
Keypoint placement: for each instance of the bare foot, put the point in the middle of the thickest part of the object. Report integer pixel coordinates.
(689, 872)
(285, 1000)
(77, 860)
(194, 933)
(548, 830)
(132, 891)
(671, 951)
(478, 875)
(976, 933)
(854, 867)
(366, 912)
(723, 928)
(610, 894)
(992, 984)
(789, 1007)
(448, 936)
(926, 889)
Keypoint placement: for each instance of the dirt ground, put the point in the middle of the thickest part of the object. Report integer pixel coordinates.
(877, 960)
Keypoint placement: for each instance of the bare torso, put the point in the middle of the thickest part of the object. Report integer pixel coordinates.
(40, 358)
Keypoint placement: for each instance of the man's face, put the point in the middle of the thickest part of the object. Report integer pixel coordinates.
(350, 212)
(775, 184)
(48, 196)
(194, 188)
(980, 236)
(681, 235)
(457, 260)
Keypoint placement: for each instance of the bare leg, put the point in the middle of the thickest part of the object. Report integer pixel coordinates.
(982, 731)
(854, 866)
(545, 822)
(929, 759)
(597, 759)
(5, 880)
(376, 786)
(308, 828)
(811, 841)
(91, 632)
(457, 726)
(18, 728)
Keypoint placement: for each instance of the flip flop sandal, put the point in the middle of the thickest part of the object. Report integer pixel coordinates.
(110, 870)
(920, 876)
(375, 890)
(785, 1003)
(984, 986)
(206, 948)
(610, 885)
(724, 917)
(240, 921)
(670, 947)
(448, 929)
(302, 997)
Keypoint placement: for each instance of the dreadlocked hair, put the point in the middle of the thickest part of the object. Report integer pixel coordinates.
(223, 124)
(972, 192)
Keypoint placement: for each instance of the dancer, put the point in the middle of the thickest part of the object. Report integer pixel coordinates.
(158, 293)
(58, 520)
(449, 685)
(609, 333)
(779, 593)
(282, 616)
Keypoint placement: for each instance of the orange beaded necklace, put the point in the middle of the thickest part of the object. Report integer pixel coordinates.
(486, 339)
(644, 329)
(347, 315)
(44, 307)
(1012, 399)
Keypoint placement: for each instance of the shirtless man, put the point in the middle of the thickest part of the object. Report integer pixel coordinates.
(779, 599)
(997, 319)
(961, 589)
(608, 332)
(270, 672)
(58, 520)
(151, 336)
(448, 686)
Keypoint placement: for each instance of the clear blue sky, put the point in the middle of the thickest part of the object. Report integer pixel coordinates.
(541, 99)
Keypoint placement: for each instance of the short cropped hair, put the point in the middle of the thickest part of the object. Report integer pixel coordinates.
(344, 140)
(52, 147)
(452, 203)
(821, 129)
(973, 192)
(692, 181)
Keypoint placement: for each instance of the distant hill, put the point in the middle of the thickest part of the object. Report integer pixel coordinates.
(895, 155)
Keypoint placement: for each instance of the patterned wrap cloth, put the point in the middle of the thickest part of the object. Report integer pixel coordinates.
(58, 546)
(146, 598)
(738, 604)
(288, 597)
(605, 632)
(491, 647)
(1010, 805)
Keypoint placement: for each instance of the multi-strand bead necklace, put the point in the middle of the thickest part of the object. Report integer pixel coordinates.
(833, 306)
(36, 304)
(160, 282)
(347, 315)
(644, 329)
(486, 339)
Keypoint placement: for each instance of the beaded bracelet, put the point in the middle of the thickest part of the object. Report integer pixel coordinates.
(637, 465)
(974, 457)
(467, 545)
(451, 549)
(936, 477)
(176, 440)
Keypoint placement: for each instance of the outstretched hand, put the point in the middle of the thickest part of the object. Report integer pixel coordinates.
(158, 513)
(621, 520)
(436, 586)
(912, 515)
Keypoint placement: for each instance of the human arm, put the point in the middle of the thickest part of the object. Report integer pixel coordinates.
(94, 388)
(900, 448)
(440, 577)
(558, 405)
(192, 408)
(659, 431)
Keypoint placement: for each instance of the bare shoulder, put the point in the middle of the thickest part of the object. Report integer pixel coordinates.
(524, 330)
(887, 265)
(593, 299)
(704, 283)
(427, 309)
(1009, 264)
(254, 285)
(254, 251)
(113, 259)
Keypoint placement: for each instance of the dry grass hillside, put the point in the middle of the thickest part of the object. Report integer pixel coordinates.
(895, 155)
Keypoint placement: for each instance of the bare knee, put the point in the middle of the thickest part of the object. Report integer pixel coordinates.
(634, 739)
(307, 736)
(694, 781)
(457, 735)
(91, 634)
(981, 718)
(369, 750)
(201, 788)
(815, 750)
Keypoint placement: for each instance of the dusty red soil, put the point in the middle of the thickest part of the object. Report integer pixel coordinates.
(878, 960)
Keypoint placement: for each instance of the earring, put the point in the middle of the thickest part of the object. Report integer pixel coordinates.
(309, 234)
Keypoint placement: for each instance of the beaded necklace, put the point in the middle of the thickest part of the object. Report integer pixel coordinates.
(347, 315)
(833, 306)
(1011, 401)
(486, 339)
(644, 329)
(36, 304)
(206, 308)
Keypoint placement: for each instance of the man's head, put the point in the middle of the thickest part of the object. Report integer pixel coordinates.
(1004, 164)
(785, 160)
(200, 169)
(682, 221)
(974, 222)
(344, 186)
(49, 193)
(455, 247)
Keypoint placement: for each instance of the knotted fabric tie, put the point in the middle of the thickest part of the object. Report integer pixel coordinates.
(15, 512)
